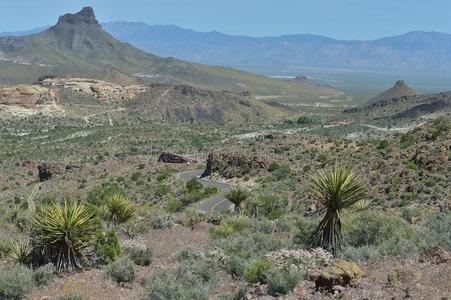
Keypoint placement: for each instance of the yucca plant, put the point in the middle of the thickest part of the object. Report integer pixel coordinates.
(20, 252)
(336, 189)
(237, 196)
(62, 231)
(118, 209)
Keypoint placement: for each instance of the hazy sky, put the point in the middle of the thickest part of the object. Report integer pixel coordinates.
(345, 19)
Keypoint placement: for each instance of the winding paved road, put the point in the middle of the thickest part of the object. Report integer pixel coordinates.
(217, 203)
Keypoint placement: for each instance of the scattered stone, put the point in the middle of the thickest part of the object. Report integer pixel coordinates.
(436, 255)
(340, 273)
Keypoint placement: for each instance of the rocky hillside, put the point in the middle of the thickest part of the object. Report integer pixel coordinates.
(185, 103)
(102, 90)
(28, 96)
(402, 102)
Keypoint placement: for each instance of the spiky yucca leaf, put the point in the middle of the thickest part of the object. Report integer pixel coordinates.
(62, 231)
(335, 189)
(118, 209)
(20, 252)
(237, 196)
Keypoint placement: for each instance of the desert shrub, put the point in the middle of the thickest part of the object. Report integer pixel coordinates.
(189, 254)
(20, 252)
(191, 280)
(70, 296)
(305, 227)
(174, 205)
(192, 217)
(4, 246)
(372, 228)
(98, 195)
(263, 225)
(135, 227)
(122, 270)
(44, 275)
(162, 221)
(281, 282)
(305, 120)
(16, 282)
(254, 271)
(118, 209)
(383, 144)
(138, 252)
(230, 226)
(272, 206)
(240, 294)
(62, 232)
(301, 261)
(282, 172)
(107, 246)
(374, 235)
(438, 229)
(166, 285)
(193, 185)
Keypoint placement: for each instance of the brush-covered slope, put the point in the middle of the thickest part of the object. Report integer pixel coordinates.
(77, 45)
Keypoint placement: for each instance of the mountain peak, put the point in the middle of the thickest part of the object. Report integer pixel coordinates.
(400, 89)
(86, 15)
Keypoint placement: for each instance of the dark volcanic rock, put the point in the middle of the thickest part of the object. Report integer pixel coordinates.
(86, 15)
(436, 255)
(167, 157)
(47, 171)
(230, 165)
(44, 172)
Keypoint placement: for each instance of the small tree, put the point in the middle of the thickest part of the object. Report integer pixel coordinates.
(335, 189)
(118, 210)
(237, 196)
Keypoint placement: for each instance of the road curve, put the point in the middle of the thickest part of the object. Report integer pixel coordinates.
(218, 203)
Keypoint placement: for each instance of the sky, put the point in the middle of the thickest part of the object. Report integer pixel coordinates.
(342, 19)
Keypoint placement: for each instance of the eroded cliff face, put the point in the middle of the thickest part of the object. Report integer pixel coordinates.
(102, 90)
(27, 96)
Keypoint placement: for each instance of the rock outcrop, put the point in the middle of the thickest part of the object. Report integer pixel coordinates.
(340, 273)
(167, 157)
(27, 95)
(436, 255)
(102, 90)
(231, 165)
(86, 15)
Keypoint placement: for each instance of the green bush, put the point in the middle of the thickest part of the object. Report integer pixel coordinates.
(230, 226)
(174, 205)
(281, 282)
(254, 271)
(141, 256)
(16, 282)
(107, 246)
(193, 185)
(44, 275)
(305, 120)
(272, 206)
(122, 270)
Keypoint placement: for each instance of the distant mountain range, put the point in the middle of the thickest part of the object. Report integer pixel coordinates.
(78, 46)
(411, 51)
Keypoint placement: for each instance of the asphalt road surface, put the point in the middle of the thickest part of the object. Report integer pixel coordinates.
(218, 203)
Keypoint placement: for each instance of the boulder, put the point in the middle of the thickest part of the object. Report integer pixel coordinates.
(47, 171)
(436, 255)
(167, 157)
(340, 273)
